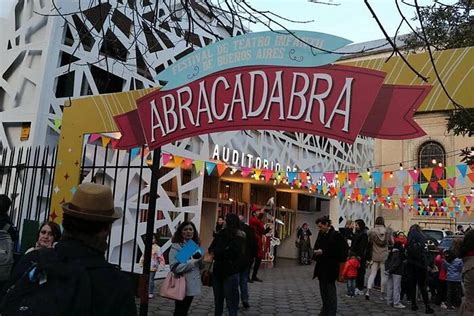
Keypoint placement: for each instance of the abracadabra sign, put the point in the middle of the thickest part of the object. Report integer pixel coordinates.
(270, 81)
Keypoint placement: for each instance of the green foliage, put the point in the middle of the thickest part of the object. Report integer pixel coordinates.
(446, 26)
(461, 122)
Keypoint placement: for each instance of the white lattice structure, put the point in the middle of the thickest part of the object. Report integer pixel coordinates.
(44, 61)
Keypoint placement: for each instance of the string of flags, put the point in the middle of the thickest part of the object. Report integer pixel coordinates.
(406, 185)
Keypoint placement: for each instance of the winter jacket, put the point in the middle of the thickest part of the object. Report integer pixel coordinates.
(394, 264)
(359, 244)
(380, 238)
(229, 250)
(5, 219)
(350, 268)
(467, 307)
(190, 270)
(250, 242)
(441, 268)
(454, 270)
(334, 249)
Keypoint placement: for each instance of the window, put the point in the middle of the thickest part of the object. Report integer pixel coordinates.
(430, 155)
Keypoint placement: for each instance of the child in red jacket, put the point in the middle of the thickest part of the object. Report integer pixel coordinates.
(350, 273)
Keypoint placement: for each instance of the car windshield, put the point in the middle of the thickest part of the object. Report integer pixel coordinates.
(435, 234)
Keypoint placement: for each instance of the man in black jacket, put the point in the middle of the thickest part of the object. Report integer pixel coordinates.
(102, 289)
(330, 250)
(359, 246)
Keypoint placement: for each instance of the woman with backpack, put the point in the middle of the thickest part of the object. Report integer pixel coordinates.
(379, 239)
(417, 257)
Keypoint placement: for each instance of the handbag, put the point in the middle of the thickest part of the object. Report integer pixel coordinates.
(206, 276)
(174, 287)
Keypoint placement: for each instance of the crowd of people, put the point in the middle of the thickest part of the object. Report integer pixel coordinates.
(406, 266)
(70, 266)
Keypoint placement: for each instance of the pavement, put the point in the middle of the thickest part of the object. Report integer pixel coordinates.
(288, 289)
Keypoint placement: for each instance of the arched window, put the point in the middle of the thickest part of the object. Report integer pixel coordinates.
(431, 154)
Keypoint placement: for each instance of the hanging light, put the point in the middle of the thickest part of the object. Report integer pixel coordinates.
(415, 170)
(391, 174)
(440, 164)
(401, 166)
(368, 171)
(434, 161)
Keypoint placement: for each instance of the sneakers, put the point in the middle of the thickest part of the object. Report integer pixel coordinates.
(451, 308)
(150, 296)
(399, 305)
(257, 279)
(443, 305)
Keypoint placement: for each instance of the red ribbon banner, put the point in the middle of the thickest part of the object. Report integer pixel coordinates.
(335, 101)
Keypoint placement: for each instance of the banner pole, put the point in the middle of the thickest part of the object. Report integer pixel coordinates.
(145, 277)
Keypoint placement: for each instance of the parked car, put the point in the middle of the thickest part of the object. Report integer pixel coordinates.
(447, 241)
(437, 234)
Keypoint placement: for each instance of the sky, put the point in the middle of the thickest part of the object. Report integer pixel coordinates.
(349, 19)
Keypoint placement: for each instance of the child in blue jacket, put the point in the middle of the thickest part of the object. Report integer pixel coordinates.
(454, 267)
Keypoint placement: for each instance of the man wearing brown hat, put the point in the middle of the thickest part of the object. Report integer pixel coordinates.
(79, 278)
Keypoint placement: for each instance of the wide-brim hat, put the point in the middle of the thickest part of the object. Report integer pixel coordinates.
(92, 202)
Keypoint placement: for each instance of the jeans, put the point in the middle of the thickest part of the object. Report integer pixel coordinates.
(151, 283)
(373, 273)
(327, 288)
(181, 308)
(226, 288)
(243, 284)
(351, 285)
(453, 297)
(394, 283)
(361, 275)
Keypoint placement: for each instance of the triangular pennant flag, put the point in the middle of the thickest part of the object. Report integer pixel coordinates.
(438, 171)
(343, 190)
(427, 173)
(106, 141)
(363, 191)
(221, 168)
(443, 183)
(257, 173)
(178, 160)
(471, 176)
(315, 176)
(399, 190)
(450, 171)
(469, 198)
(414, 175)
(384, 191)
(424, 186)
(434, 185)
(166, 158)
(93, 138)
(353, 176)
(329, 176)
(401, 175)
(291, 176)
(416, 188)
(198, 165)
(391, 190)
(134, 152)
(187, 163)
(57, 123)
(406, 189)
(365, 176)
(304, 177)
(268, 174)
(245, 171)
(114, 143)
(342, 177)
(452, 182)
(461, 180)
(462, 169)
(210, 167)
(378, 191)
(377, 177)
(387, 175)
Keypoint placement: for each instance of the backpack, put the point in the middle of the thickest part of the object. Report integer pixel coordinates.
(6, 252)
(415, 251)
(53, 286)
